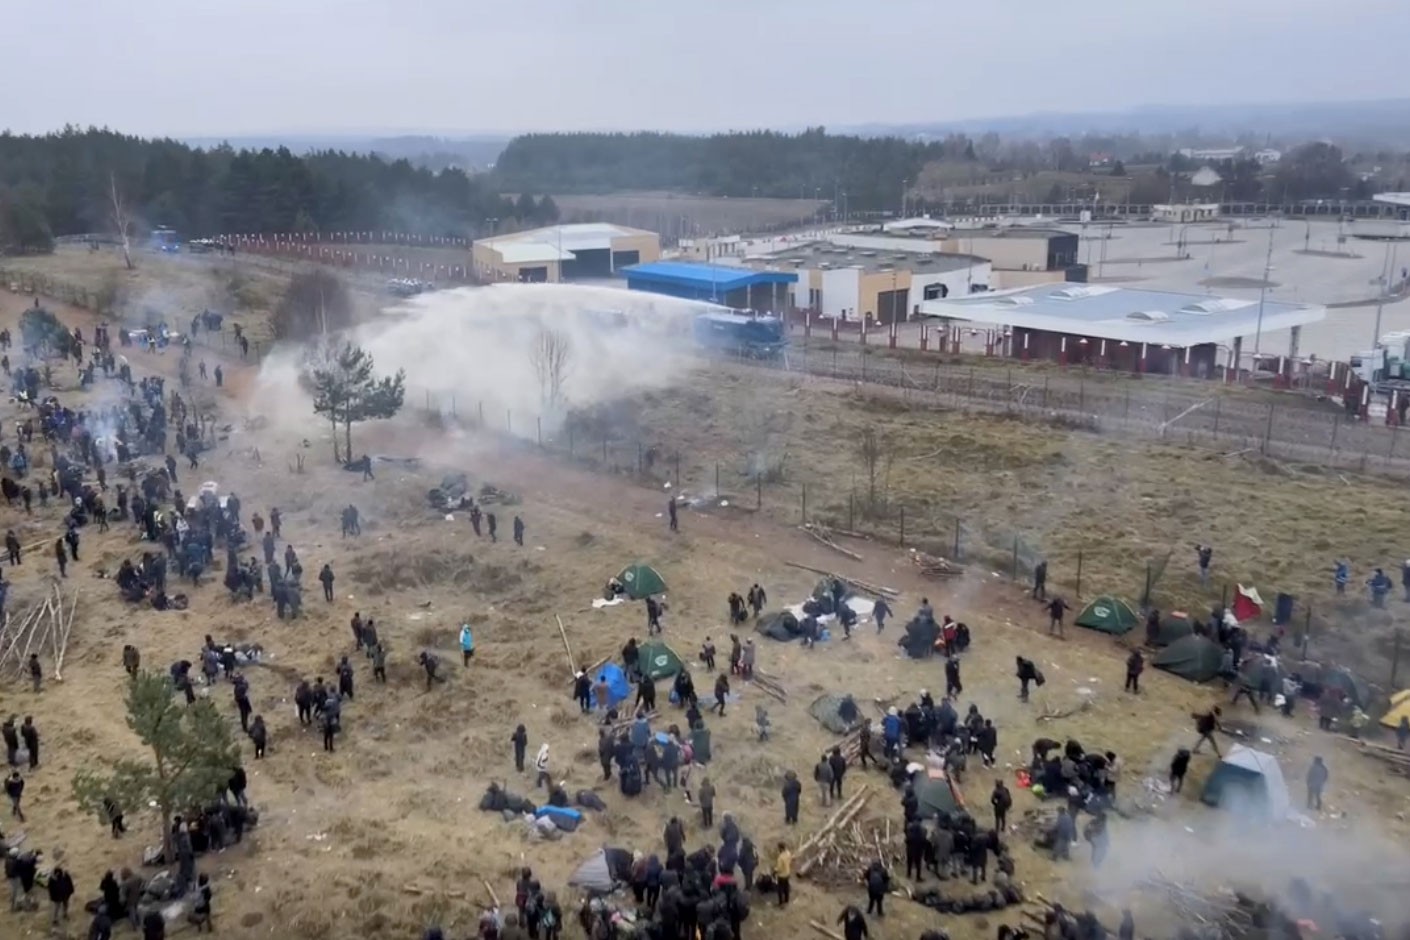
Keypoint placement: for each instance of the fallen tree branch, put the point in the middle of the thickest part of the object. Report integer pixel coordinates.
(572, 667)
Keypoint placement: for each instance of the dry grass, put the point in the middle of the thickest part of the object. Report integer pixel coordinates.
(1047, 491)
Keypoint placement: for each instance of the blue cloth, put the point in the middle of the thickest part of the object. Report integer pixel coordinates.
(467, 638)
(618, 688)
(891, 727)
(640, 733)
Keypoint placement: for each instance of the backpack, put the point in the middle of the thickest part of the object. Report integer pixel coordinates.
(1039, 679)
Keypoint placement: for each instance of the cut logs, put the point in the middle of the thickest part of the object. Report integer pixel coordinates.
(770, 684)
(43, 629)
(823, 535)
(933, 566)
(837, 853)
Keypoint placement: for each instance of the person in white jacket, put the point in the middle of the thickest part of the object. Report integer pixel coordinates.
(541, 765)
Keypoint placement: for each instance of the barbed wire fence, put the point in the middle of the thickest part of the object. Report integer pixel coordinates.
(734, 480)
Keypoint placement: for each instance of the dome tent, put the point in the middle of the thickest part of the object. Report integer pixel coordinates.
(1196, 658)
(657, 660)
(1250, 782)
(1109, 615)
(641, 581)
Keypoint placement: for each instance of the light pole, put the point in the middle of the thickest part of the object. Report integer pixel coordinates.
(1263, 294)
(1387, 271)
(903, 197)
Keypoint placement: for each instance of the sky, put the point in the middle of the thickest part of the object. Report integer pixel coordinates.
(186, 68)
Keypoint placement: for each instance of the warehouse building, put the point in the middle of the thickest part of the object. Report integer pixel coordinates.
(725, 284)
(847, 283)
(585, 251)
(1019, 256)
(1127, 330)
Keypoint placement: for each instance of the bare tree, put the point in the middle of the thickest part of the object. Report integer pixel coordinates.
(876, 462)
(552, 358)
(122, 221)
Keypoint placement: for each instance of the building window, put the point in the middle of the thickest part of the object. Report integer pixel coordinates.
(935, 292)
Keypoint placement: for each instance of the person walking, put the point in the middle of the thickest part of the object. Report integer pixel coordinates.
(706, 795)
(1002, 801)
(1179, 766)
(1206, 723)
(1040, 581)
(325, 576)
(30, 735)
(541, 767)
(518, 531)
(14, 789)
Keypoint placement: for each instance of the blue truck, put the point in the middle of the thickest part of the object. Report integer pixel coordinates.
(754, 336)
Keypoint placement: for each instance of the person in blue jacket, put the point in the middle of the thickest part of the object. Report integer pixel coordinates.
(1380, 586)
(1341, 576)
(891, 727)
(467, 644)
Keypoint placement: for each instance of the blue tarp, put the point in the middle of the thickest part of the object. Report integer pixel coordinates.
(618, 688)
(564, 817)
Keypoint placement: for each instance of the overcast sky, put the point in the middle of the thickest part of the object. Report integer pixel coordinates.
(234, 67)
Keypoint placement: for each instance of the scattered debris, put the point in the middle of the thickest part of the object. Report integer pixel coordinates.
(933, 566)
(823, 535)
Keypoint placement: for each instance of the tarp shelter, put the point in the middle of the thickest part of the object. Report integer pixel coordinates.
(1399, 708)
(657, 660)
(1109, 615)
(1247, 604)
(1174, 626)
(1249, 782)
(641, 581)
(921, 634)
(1195, 658)
(700, 744)
(600, 870)
(781, 626)
(837, 713)
(618, 687)
(934, 794)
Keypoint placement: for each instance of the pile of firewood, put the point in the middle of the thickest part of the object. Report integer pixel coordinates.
(1206, 913)
(43, 629)
(770, 684)
(1399, 761)
(837, 854)
(933, 566)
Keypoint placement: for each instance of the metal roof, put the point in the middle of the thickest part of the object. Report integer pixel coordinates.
(1116, 313)
(871, 260)
(530, 252)
(1393, 199)
(713, 277)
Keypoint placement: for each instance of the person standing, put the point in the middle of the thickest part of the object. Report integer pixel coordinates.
(880, 612)
(60, 893)
(541, 767)
(1002, 801)
(1040, 580)
(1317, 776)
(491, 523)
(721, 693)
(1135, 665)
(671, 512)
(1204, 554)
(1057, 607)
(854, 925)
(518, 531)
(30, 735)
(325, 576)
(36, 672)
(706, 794)
(1206, 723)
(783, 874)
(61, 556)
(520, 740)
(467, 644)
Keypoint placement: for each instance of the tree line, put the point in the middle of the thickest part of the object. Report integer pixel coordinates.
(866, 174)
(60, 184)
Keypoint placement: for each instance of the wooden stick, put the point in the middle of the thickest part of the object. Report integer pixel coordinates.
(864, 585)
(572, 667)
(62, 644)
(493, 897)
(824, 930)
(824, 540)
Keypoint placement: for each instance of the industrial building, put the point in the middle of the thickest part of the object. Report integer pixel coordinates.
(1128, 330)
(1185, 212)
(848, 283)
(724, 284)
(560, 253)
(1019, 256)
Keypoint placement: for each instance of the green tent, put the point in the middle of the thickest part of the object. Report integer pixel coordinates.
(1109, 615)
(657, 660)
(1173, 627)
(934, 795)
(1196, 658)
(641, 581)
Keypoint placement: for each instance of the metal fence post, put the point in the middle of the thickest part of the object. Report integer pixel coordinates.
(1015, 558)
(604, 448)
(678, 469)
(1306, 633)
(1079, 574)
(538, 423)
(805, 504)
(717, 478)
(852, 511)
(1045, 392)
(640, 458)
(903, 526)
(759, 491)
(452, 406)
(1082, 394)
(570, 441)
(1218, 406)
(1268, 431)
(957, 538)
(1126, 412)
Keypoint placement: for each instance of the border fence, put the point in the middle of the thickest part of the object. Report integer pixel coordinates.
(733, 477)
